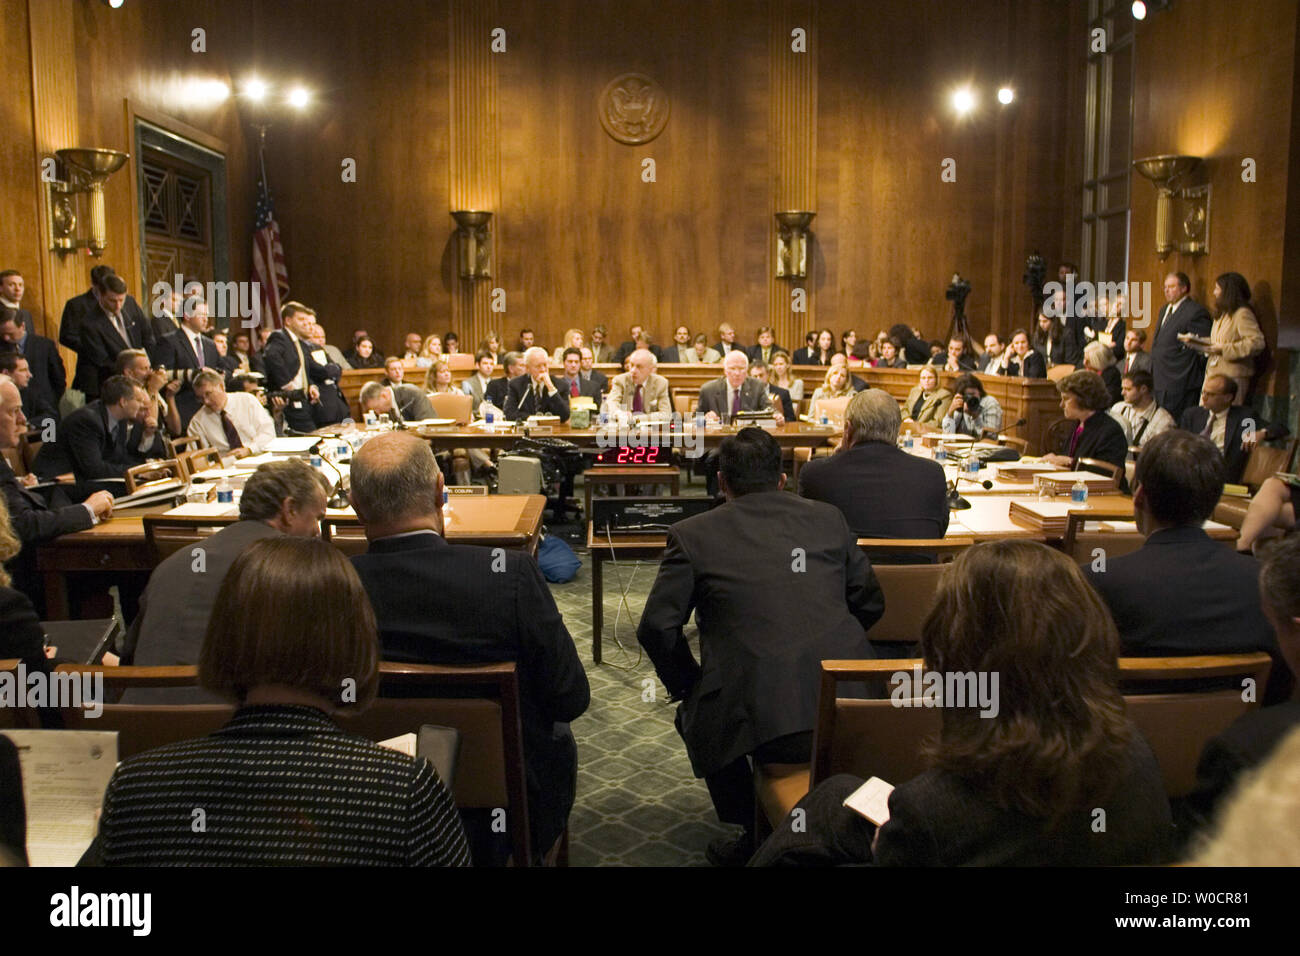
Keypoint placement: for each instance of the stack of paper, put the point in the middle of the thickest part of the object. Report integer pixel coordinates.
(1049, 517)
(1060, 482)
(293, 445)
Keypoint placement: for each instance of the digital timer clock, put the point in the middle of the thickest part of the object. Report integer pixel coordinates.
(634, 455)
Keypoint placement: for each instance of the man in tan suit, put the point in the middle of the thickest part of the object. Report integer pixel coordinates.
(640, 390)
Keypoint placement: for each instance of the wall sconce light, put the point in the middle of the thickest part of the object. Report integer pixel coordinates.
(1188, 206)
(792, 244)
(475, 243)
(87, 169)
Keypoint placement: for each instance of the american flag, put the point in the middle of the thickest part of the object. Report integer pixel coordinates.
(268, 255)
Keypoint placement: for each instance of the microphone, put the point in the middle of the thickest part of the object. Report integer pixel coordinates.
(337, 498)
(982, 482)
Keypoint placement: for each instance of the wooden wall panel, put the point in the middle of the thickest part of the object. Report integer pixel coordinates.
(18, 168)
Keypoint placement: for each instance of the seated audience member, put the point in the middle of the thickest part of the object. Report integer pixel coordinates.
(1084, 400)
(244, 358)
(572, 339)
(451, 343)
(834, 386)
(681, 344)
(589, 374)
(430, 351)
(1020, 360)
(159, 384)
(972, 411)
(495, 390)
(754, 690)
(537, 391)
(364, 355)
(601, 350)
(1255, 736)
(841, 360)
(1182, 592)
(228, 362)
(780, 375)
(399, 402)
(888, 351)
(992, 359)
(476, 385)
(36, 518)
(282, 783)
(699, 353)
(411, 346)
(781, 404)
(227, 421)
(1232, 428)
(915, 351)
(925, 402)
(526, 340)
(394, 370)
(727, 343)
(1257, 827)
(39, 413)
(438, 378)
(1100, 360)
(317, 339)
(1134, 358)
(628, 347)
(823, 349)
(849, 342)
(492, 343)
(48, 380)
(646, 341)
(572, 379)
(440, 603)
(955, 359)
(804, 356)
(1145, 418)
(1019, 786)
(99, 440)
(641, 390)
(21, 634)
(766, 347)
(882, 491)
(281, 497)
(1108, 326)
(1054, 343)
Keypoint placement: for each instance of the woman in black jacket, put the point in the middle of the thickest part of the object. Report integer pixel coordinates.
(1021, 360)
(1084, 400)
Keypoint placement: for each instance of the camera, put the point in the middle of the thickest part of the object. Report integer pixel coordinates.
(972, 404)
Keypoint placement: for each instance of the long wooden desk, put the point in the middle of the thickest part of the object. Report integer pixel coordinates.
(790, 435)
(117, 546)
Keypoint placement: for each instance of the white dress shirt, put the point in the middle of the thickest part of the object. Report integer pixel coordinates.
(252, 421)
(1219, 429)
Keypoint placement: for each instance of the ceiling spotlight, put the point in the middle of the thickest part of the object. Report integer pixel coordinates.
(299, 97)
(1006, 95)
(255, 90)
(963, 100)
(115, 4)
(1139, 10)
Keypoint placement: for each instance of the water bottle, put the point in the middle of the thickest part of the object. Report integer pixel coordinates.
(908, 442)
(489, 413)
(225, 492)
(701, 420)
(316, 462)
(1079, 492)
(973, 466)
(371, 419)
(604, 413)
(940, 454)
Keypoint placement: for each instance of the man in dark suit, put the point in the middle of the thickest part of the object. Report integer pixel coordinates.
(295, 366)
(35, 518)
(721, 399)
(589, 374)
(882, 491)
(1177, 368)
(11, 297)
(766, 623)
(281, 497)
(116, 323)
(40, 414)
(103, 438)
(537, 391)
(572, 382)
(78, 307)
(781, 400)
(727, 341)
(402, 403)
(681, 345)
(1182, 593)
(167, 317)
(439, 603)
(1135, 359)
(1232, 428)
(627, 348)
(766, 347)
(808, 354)
(186, 352)
(495, 391)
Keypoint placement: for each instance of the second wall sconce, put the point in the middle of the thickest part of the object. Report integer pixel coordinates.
(792, 244)
(1182, 214)
(86, 171)
(474, 243)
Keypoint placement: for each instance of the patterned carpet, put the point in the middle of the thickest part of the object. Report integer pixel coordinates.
(638, 803)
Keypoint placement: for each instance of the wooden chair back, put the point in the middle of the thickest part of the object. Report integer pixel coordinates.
(458, 360)
(200, 459)
(909, 591)
(1264, 462)
(455, 405)
(140, 475)
(883, 551)
(345, 532)
(1011, 441)
(183, 444)
(1102, 468)
(833, 409)
(1079, 546)
(1057, 434)
(684, 401)
(1058, 372)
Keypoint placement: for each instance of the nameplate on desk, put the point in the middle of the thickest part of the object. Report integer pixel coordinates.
(539, 430)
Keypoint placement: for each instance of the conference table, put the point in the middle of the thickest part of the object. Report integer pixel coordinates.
(117, 548)
(791, 435)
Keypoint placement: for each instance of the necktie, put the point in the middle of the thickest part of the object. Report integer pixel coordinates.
(120, 326)
(735, 402)
(1209, 425)
(1137, 439)
(573, 388)
(232, 433)
(198, 350)
(636, 401)
(537, 398)
(119, 437)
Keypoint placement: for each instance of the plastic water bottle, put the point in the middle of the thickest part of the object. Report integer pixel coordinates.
(489, 413)
(908, 442)
(940, 454)
(225, 492)
(371, 419)
(316, 462)
(447, 510)
(1079, 492)
(973, 466)
(701, 420)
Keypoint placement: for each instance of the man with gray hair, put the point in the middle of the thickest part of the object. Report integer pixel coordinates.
(537, 391)
(405, 403)
(882, 490)
(640, 390)
(229, 421)
(440, 603)
(281, 497)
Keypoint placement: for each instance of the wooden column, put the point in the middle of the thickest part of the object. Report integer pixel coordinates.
(793, 137)
(475, 160)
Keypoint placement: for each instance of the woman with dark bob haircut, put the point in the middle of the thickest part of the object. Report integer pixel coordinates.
(1085, 401)
(1035, 782)
(292, 641)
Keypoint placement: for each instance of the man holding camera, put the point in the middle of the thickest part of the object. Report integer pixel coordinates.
(972, 411)
(296, 367)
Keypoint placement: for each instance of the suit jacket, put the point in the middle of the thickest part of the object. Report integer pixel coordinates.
(781, 399)
(600, 354)
(49, 378)
(1103, 438)
(673, 353)
(964, 364)
(626, 349)
(586, 387)
(35, 522)
(496, 391)
(412, 402)
(599, 379)
(654, 394)
(1178, 370)
(1240, 418)
(1110, 377)
(521, 402)
(882, 491)
(691, 357)
(1134, 361)
(100, 344)
(74, 312)
(1184, 593)
(1241, 339)
(755, 352)
(89, 446)
(176, 353)
(439, 603)
(164, 325)
(282, 362)
(713, 397)
(932, 409)
(764, 631)
(722, 349)
(176, 606)
(474, 389)
(1033, 365)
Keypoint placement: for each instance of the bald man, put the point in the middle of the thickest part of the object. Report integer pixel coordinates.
(640, 390)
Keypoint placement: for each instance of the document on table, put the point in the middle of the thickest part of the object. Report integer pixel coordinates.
(65, 774)
(871, 800)
(203, 509)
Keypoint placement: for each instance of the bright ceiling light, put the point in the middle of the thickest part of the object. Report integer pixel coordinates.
(963, 100)
(1139, 10)
(299, 97)
(255, 90)
(1006, 95)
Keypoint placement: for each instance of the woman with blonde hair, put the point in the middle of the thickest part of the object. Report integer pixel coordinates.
(438, 378)
(1020, 768)
(572, 340)
(430, 352)
(835, 385)
(779, 369)
(925, 402)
